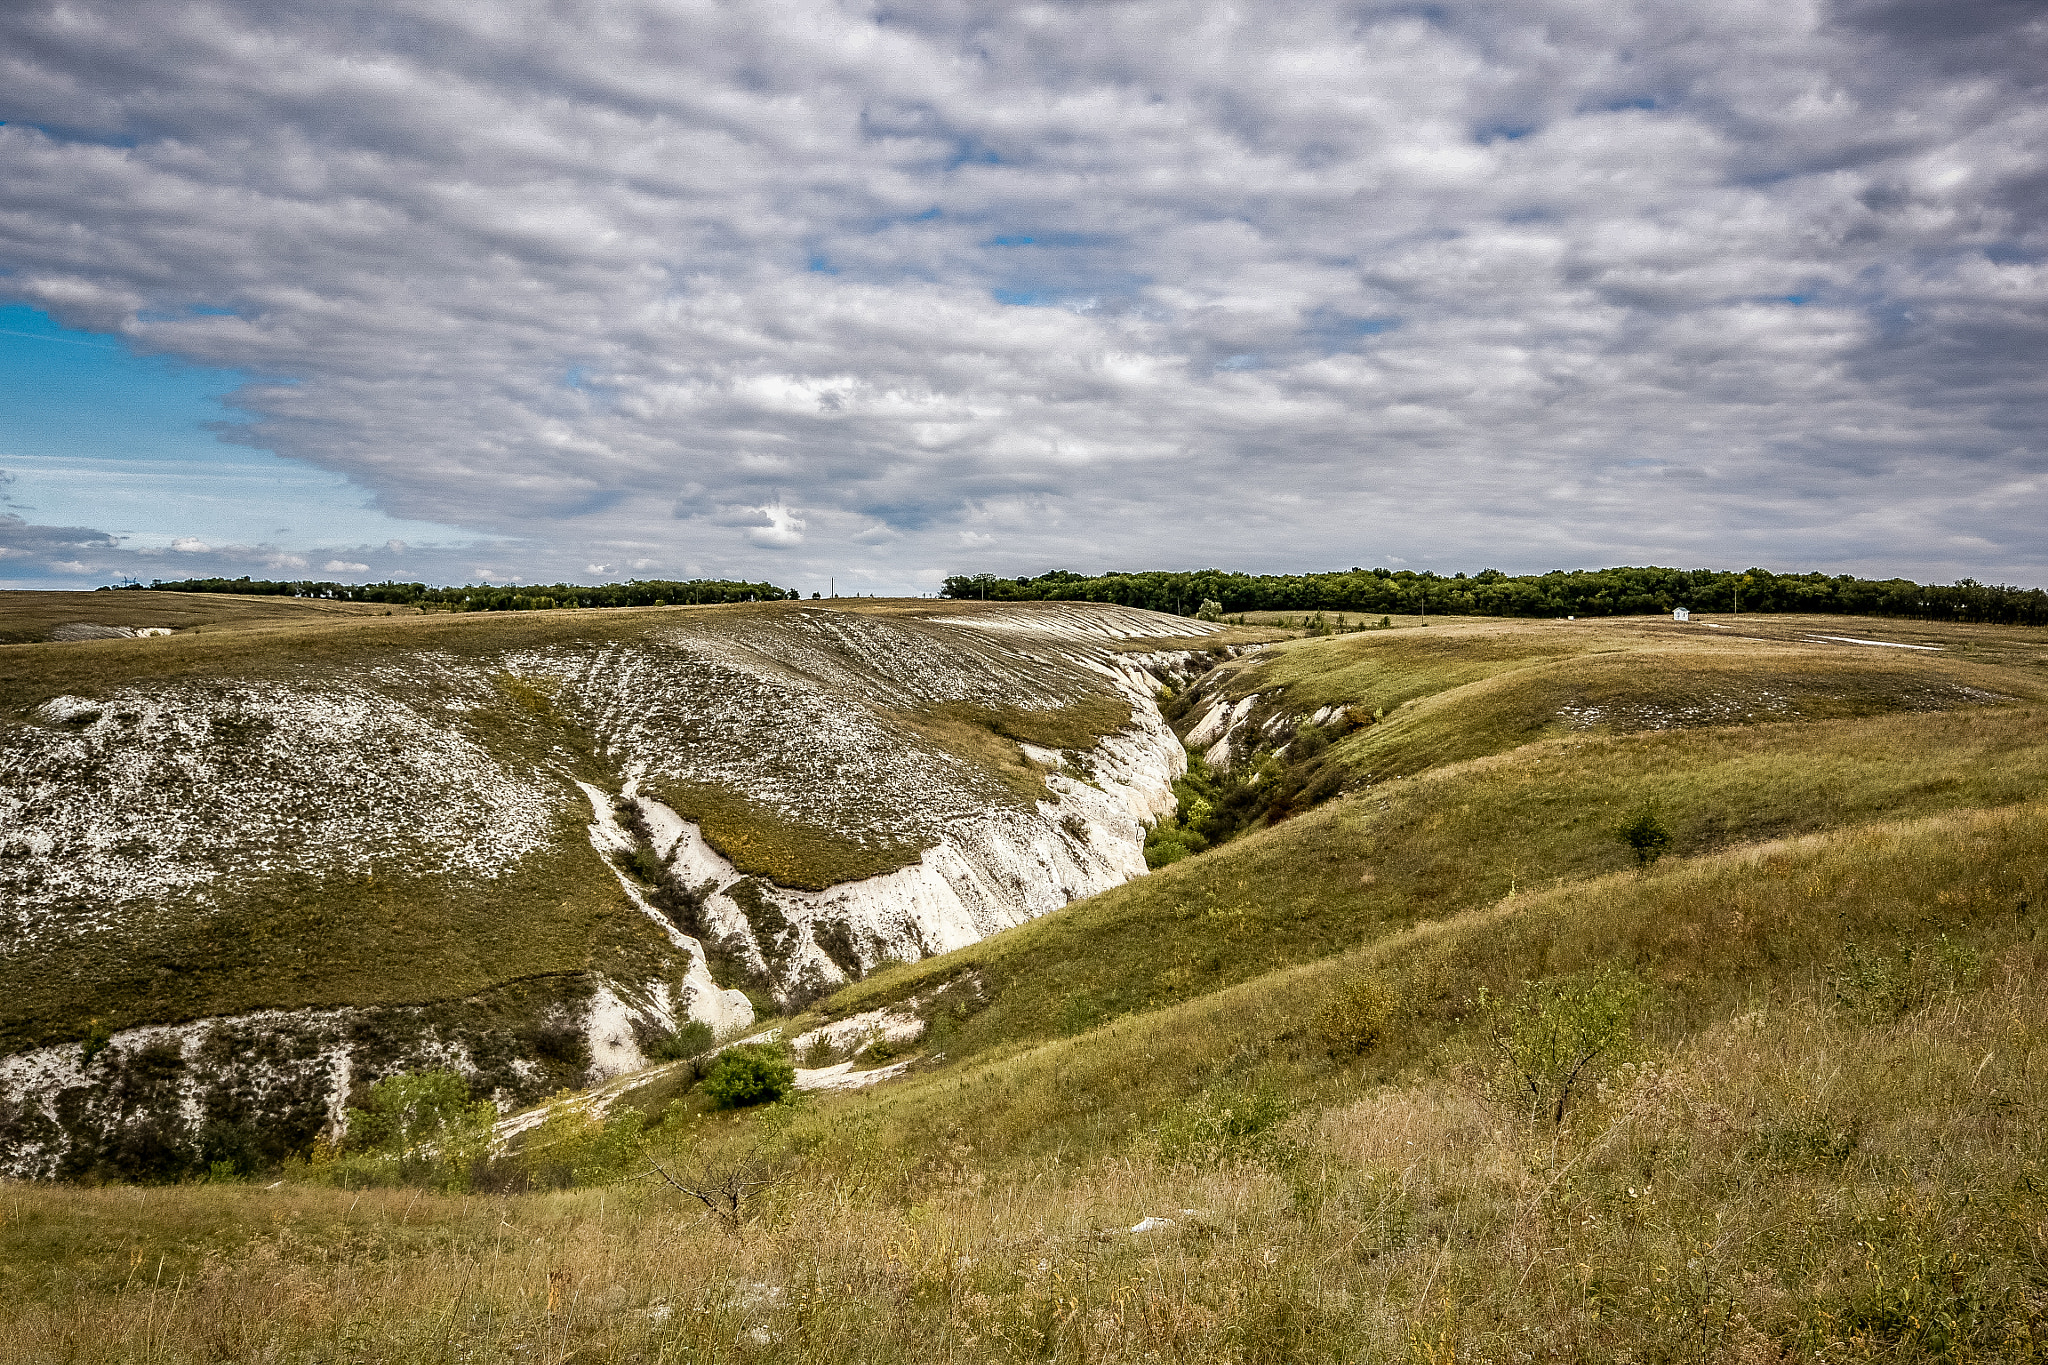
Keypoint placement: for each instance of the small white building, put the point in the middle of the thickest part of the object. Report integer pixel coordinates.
(1680, 614)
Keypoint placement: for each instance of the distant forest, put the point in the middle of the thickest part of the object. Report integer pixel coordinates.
(642, 593)
(1578, 592)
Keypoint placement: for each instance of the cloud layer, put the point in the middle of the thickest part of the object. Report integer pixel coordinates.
(890, 291)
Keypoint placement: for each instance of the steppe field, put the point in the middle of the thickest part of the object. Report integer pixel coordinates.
(1476, 990)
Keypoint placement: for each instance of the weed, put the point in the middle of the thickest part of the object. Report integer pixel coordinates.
(1225, 1126)
(1357, 1018)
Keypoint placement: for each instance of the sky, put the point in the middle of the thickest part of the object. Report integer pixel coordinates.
(870, 294)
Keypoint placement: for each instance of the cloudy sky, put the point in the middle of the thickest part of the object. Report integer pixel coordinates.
(881, 292)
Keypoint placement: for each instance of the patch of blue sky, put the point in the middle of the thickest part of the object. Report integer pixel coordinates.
(2013, 253)
(1504, 132)
(969, 151)
(1048, 240)
(58, 132)
(1335, 331)
(95, 435)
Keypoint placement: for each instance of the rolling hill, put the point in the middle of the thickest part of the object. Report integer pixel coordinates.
(1416, 1060)
(254, 864)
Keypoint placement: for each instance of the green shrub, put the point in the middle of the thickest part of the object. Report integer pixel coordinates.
(98, 1038)
(424, 1126)
(1646, 835)
(1872, 984)
(750, 1073)
(1555, 1038)
(1357, 1018)
(693, 1037)
(572, 1146)
(1215, 1129)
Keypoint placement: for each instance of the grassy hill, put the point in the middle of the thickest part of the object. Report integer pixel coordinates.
(535, 844)
(1430, 1070)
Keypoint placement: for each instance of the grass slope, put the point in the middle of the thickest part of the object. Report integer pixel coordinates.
(1814, 1129)
(1797, 1157)
(29, 617)
(1456, 840)
(1468, 688)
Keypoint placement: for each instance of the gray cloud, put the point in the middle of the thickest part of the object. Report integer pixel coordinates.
(32, 551)
(886, 292)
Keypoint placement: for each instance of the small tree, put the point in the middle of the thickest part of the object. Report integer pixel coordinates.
(1554, 1037)
(751, 1073)
(1211, 610)
(426, 1120)
(726, 1187)
(1646, 835)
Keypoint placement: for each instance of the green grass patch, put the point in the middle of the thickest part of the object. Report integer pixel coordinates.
(1453, 840)
(287, 942)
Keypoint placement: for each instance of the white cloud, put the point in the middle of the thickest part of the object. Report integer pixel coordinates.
(343, 566)
(784, 528)
(1155, 283)
(191, 545)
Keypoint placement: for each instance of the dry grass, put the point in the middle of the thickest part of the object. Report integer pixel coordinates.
(28, 617)
(1779, 1174)
(1429, 848)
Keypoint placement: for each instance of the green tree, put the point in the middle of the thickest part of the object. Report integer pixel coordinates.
(427, 1121)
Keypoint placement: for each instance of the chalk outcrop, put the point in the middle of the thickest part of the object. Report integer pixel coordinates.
(502, 859)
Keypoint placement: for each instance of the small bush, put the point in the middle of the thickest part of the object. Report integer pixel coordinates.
(1356, 1020)
(692, 1038)
(751, 1073)
(98, 1038)
(573, 1147)
(420, 1126)
(1873, 984)
(1554, 1039)
(879, 1050)
(1646, 835)
(1220, 1128)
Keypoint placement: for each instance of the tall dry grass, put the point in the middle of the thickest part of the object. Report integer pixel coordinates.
(1829, 1145)
(1791, 1184)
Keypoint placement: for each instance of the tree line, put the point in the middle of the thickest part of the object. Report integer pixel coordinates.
(653, 592)
(1576, 592)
